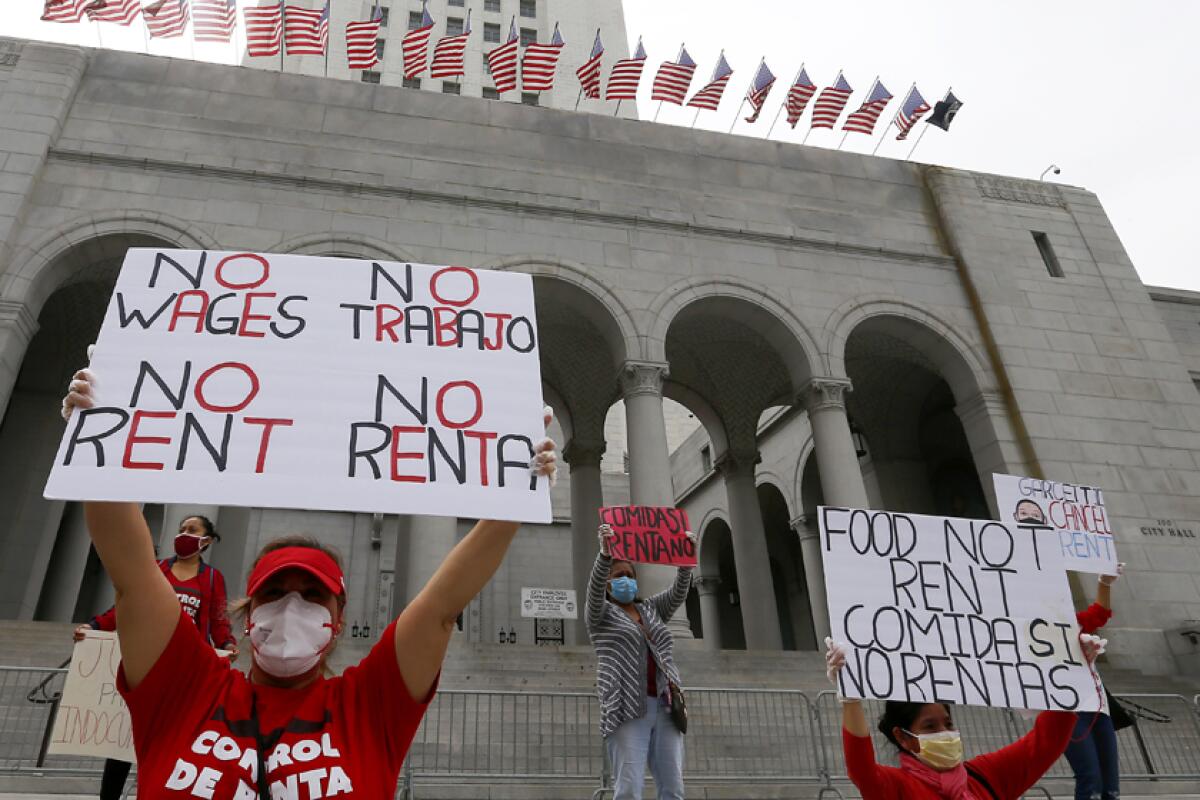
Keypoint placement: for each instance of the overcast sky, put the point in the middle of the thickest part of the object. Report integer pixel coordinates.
(1100, 88)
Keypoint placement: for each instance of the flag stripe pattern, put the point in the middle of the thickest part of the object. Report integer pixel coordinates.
(122, 13)
(760, 87)
(449, 54)
(264, 29)
(830, 103)
(863, 120)
(673, 79)
(589, 73)
(708, 98)
(63, 10)
(214, 20)
(625, 76)
(502, 62)
(539, 65)
(166, 19)
(306, 30)
(911, 111)
(798, 96)
(416, 46)
(362, 42)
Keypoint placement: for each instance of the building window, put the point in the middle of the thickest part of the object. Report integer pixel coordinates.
(528, 37)
(454, 26)
(706, 458)
(487, 65)
(383, 17)
(490, 94)
(625, 463)
(491, 5)
(449, 87)
(411, 83)
(529, 98)
(529, 8)
(1048, 257)
(414, 20)
(491, 31)
(370, 76)
(458, 3)
(380, 44)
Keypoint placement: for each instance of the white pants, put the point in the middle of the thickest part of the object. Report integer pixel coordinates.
(653, 740)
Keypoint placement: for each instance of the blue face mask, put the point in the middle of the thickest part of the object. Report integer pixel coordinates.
(623, 589)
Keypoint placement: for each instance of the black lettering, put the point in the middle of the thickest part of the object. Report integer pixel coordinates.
(358, 310)
(220, 456)
(523, 464)
(911, 681)
(193, 278)
(134, 315)
(174, 398)
(476, 330)
(459, 468)
(530, 338)
(300, 321)
(81, 417)
(1065, 704)
(421, 414)
(411, 325)
(367, 453)
(405, 290)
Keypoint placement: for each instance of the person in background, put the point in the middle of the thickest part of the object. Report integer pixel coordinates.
(636, 674)
(1092, 751)
(200, 588)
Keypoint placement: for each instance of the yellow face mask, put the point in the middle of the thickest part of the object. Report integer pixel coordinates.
(942, 750)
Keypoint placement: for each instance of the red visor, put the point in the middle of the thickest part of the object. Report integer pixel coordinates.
(315, 562)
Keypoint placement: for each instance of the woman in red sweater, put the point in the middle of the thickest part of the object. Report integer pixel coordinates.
(931, 754)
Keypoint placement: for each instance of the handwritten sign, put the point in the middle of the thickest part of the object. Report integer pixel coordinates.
(305, 382)
(939, 609)
(92, 717)
(1075, 513)
(549, 603)
(650, 535)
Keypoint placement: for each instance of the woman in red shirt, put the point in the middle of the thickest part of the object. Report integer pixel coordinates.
(203, 729)
(931, 754)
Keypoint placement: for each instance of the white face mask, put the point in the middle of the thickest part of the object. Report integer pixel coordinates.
(289, 635)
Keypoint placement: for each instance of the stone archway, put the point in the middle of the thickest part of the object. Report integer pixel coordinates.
(717, 586)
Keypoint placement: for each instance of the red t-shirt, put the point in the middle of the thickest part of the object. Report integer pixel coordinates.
(343, 736)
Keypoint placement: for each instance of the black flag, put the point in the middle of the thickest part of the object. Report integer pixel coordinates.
(944, 111)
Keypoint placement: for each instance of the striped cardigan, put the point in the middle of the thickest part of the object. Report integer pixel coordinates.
(621, 645)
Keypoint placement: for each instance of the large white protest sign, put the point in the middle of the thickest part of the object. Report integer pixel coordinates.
(549, 603)
(92, 718)
(939, 609)
(1075, 513)
(305, 382)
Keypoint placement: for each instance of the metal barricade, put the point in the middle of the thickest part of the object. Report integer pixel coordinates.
(28, 702)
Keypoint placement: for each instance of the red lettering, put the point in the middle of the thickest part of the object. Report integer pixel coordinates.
(262, 278)
(230, 409)
(269, 424)
(179, 313)
(443, 325)
(127, 461)
(500, 320)
(248, 315)
(397, 455)
(440, 404)
(436, 279)
(382, 327)
(484, 437)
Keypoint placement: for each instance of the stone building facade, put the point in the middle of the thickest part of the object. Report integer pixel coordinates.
(802, 304)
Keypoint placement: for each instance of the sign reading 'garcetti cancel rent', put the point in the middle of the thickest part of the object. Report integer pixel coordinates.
(1075, 513)
(305, 382)
(650, 535)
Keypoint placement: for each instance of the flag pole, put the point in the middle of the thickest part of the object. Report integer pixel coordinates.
(778, 113)
(921, 135)
(282, 28)
(869, 93)
(737, 115)
(618, 111)
(742, 105)
(696, 118)
(895, 116)
(682, 47)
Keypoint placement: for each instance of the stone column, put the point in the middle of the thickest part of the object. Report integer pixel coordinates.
(814, 575)
(429, 540)
(17, 327)
(587, 496)
(760, 614)
(64, 576)
(650, 463)
(708, 587)
(175, 513)
(841, 479)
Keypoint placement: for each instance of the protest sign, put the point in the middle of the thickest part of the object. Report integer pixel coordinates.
(940, 609)
(1075, 513)
(92, 719)
(549, 603)
(305, 382)
(650, 535)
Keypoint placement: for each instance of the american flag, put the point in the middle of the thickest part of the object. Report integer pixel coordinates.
(306, 30)
(673, 79)
(64, 10)
(166, 19)
(589, 73)
(449, 53)
(416, 45)
(540, 63)
(122, 12)
(798, 96)
(214, 20)
(264, 29)
(502, 61)
(760, 87)
(830, 103)
(362, 41)
(863, 120)
(709, 97)
(625, 76)
(911, 111)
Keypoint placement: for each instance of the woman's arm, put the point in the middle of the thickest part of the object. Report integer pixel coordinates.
(1013, 769)
(594, 602)
(668, 601)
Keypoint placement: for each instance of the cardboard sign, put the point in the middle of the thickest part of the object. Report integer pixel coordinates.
(303, 382)
(1075, 513)
(650, 535)
(940, 609)
(92, 718)
(549, 603)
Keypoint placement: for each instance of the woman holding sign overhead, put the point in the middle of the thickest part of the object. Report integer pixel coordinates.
(642, 717)
(203, 729)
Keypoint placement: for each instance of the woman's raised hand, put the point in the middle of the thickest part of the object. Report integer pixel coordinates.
(605, 535)
(545, 457)
(835, 659)
(1109, 580)
(1092, 646)
(81, 393)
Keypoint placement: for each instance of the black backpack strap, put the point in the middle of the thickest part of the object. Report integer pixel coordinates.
(982, 781)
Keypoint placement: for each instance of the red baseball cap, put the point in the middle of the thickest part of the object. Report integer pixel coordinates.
(316, 562)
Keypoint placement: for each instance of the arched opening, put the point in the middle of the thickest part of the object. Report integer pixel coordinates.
(719, 572)
(787, 571)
